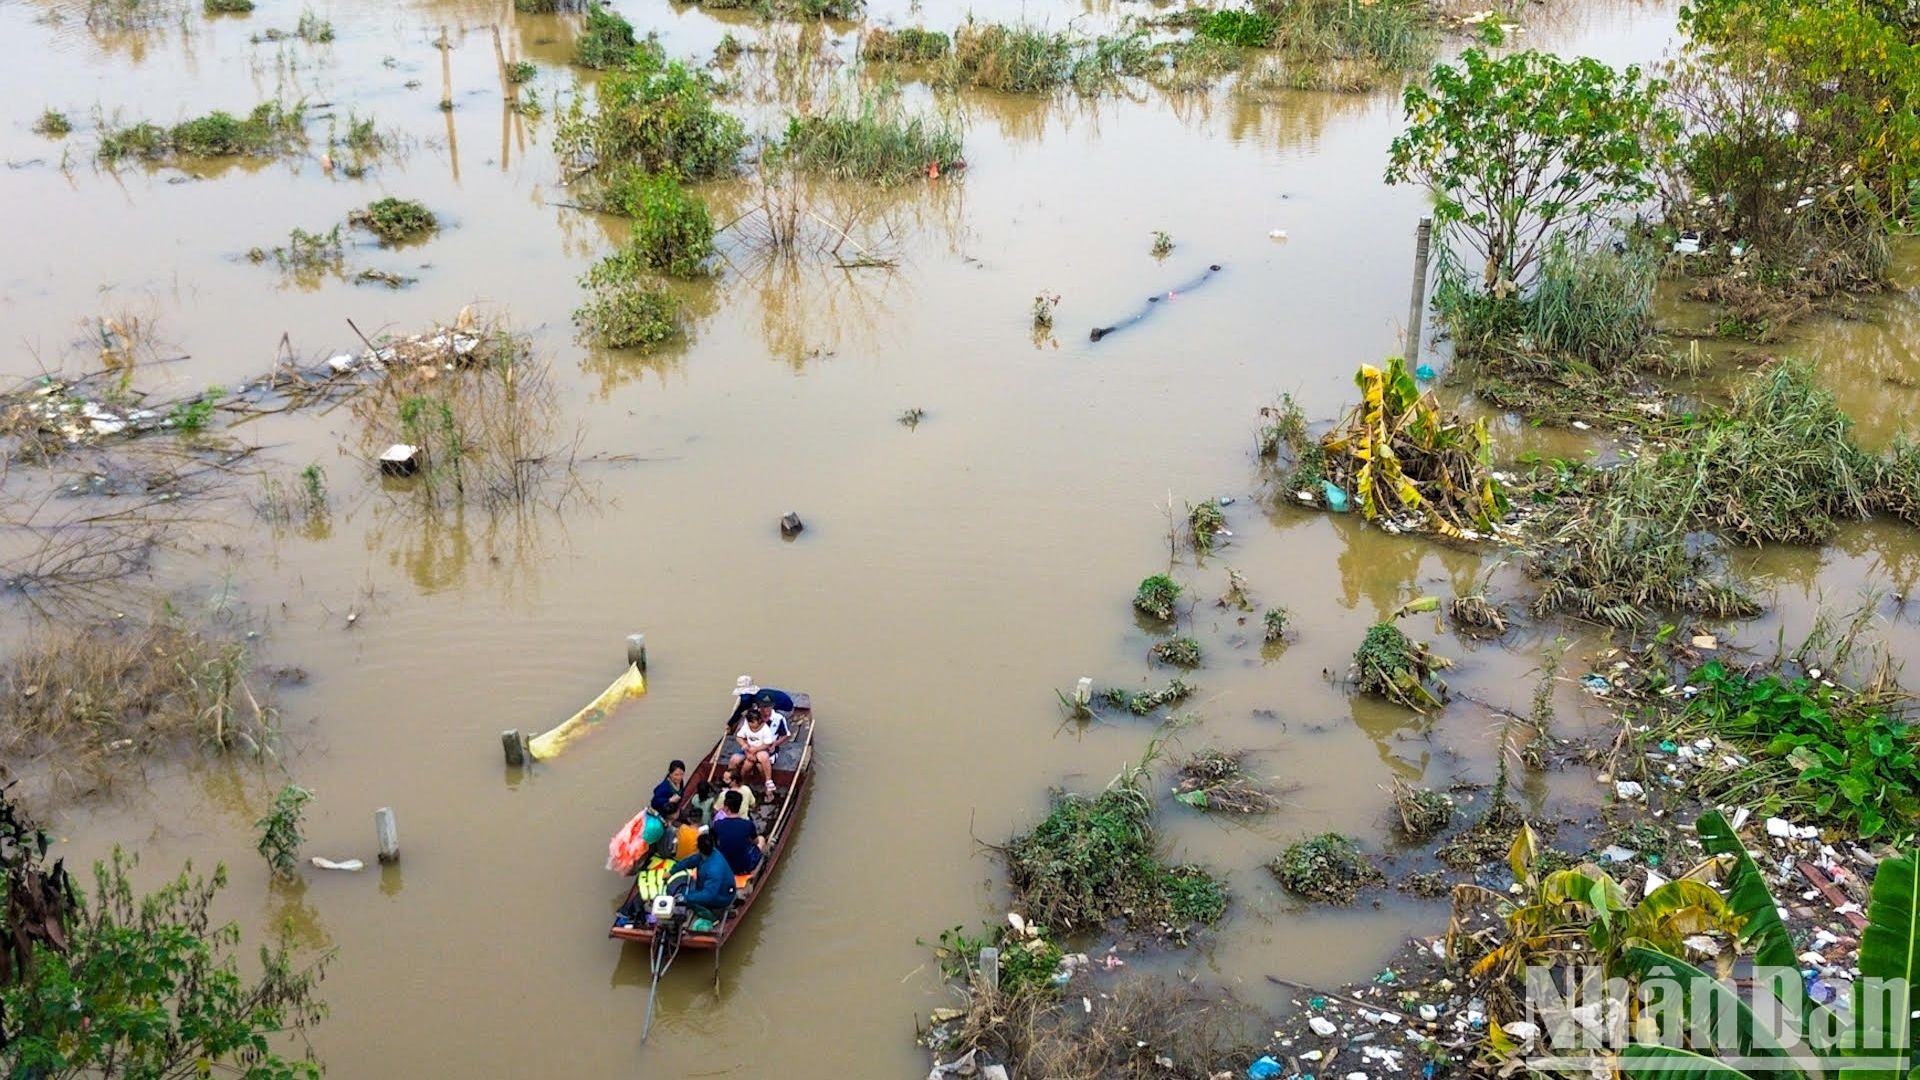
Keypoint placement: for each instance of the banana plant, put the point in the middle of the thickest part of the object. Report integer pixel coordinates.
(1584, 910)
(1889, 952)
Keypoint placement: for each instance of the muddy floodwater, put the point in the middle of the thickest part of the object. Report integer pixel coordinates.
(951, 577)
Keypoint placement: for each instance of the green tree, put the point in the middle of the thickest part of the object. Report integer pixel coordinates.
(142, 987)
(1517, 148)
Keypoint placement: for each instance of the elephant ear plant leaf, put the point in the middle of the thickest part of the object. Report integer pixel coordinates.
(1716, 1012)
(1761, 929)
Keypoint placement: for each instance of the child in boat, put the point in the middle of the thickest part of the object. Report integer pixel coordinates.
(759, 740)
(700, 808)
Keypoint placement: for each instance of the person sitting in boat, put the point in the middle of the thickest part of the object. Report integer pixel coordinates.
(667, 793)
(746, 693)
(712, 886)
(700, 807)
(758, 741)
(729, 782)
(735, 837)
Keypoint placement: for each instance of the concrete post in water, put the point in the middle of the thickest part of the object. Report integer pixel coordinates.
(1083, 692)
(637, 651)
(446, 72)
(990, 969)
(389, 834)
(1417, 307)
(515, 745)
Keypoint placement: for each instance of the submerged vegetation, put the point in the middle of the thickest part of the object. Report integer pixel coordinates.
(911, 45)
(269, 129)
(1092, 858)
(1391, 665)
(1011, 59)
(626, 308)
(395, 221)
(1156, 596)
(654, 114)
(1327, 869)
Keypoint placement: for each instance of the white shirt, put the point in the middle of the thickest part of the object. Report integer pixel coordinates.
(756, 739)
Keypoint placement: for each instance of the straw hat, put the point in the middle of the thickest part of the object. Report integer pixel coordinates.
(744, 685)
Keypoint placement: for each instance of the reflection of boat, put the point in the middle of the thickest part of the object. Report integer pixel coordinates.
(791, 771)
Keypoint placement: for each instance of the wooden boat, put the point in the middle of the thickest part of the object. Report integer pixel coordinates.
(791, 783)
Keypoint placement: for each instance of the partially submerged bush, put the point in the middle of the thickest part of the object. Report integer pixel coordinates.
(1011, 59)
(280, 833)
(654, 114)
(395, 220)
(1156, 596)
(226, 7)
(1422, 812)
(909, 46)
(1092, 859)
(1103, 62)
(1274, 623)
(1205, 523)
(52, 124)
(625, 308)
(865, 135)
(270, 128)
(672, 230)
(1328, 868)
(1477, 616)
(1144, 702)
(606, 39)
(1246, 27)
(1217, 781)
(1181, 651)
(1395, 667)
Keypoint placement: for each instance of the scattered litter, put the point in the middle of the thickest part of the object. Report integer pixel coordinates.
(1705, 641)
(1629, 789)
(1596, 684)
(1425, 373)
(1322, 1026)
(1688, 244)
(1779, 828)
(344, 864)
(1264, 1069)
(1336, 497)
(1616, 853)
(1277, 234)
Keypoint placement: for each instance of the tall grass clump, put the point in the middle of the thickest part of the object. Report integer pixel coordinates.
(656, 115)
(912, 45)
(1245, 27)
(80, 702)
(1594, 303)
(1011, 59)
(1107, 60)
(866, 135)
(1335, 44)
(1778, 465)
(672, 230)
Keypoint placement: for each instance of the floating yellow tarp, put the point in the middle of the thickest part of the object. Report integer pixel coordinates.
(630, 685)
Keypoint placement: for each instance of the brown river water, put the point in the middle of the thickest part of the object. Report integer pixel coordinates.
(951, 576)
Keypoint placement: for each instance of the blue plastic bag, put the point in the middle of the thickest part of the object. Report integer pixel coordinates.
(1335, 496)
(1264, 1069)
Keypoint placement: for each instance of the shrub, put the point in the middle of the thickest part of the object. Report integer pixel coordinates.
(1328, 868)
(867, 137)
(606, 40)
(1180, 652)
(1092, 859)
(226, 7)
(522, 71)
(395, 220)
(52, 124)
(1011, 59)
(624, 309)
(1109, 59)
(672, 231)
(1205, 523)
(909, 46)
(280, 835)
(656, 115)
(1156, 596)
(1395, 667)
(1274, 623)
(1422, 812)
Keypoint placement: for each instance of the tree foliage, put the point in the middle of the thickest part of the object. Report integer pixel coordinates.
(144, 987)
(1520, 147)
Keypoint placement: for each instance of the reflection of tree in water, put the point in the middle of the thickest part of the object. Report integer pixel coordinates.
(1385, 570)
(1871, 365)
(808, 311)
(1286, 118)
(1389, 727)
(289, 914)
(437, 551)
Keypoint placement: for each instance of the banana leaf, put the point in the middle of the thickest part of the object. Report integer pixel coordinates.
(1747, 894)
(1748, 1038)
(1652, 1062)
(1890, 950)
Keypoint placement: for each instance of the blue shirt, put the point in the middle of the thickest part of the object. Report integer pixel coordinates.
(781, 701)
(663, 794)
(733, 837)
(715, 888)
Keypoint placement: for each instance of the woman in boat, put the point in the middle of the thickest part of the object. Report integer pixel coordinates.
(729, 781)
